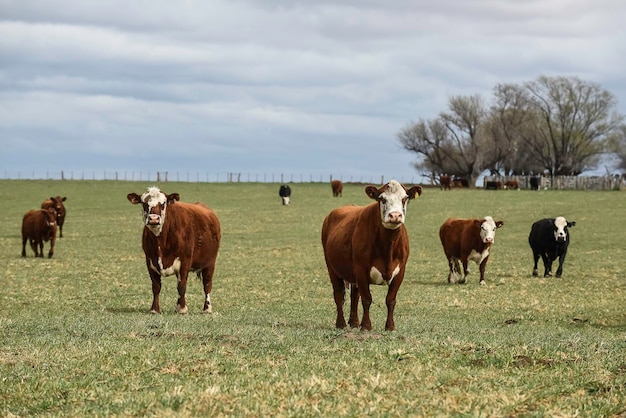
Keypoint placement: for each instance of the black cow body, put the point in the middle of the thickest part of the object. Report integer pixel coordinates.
(285, 193)
(549, 239)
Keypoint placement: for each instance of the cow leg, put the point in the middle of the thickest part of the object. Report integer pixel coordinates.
(181, 305)
(207, 283)
(366, 301)
(536, 259)
(483, 264)
(156, 290)
(559, 271)
(51, 251)
(24, 239)
(339, 289)
(354, 306)
(60, 231)
(455, 270)
(391, 301)
(40, 243)
(465, 271)
(547, 264)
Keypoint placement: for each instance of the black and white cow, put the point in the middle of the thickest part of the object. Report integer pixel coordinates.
(549, 239)
(285, 193)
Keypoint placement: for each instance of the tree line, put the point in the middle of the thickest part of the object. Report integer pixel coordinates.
(552, 125)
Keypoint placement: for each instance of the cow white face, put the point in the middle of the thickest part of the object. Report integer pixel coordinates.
(154, 203)
(392, 200)
(488, 230)
(560, 229)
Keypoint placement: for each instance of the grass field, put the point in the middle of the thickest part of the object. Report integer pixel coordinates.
(77, 338)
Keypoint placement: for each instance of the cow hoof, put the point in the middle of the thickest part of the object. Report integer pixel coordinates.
(558, 276)
(547, 275)
(208, 310)
(482, 283)
(182, 310)
(535, 273)
(154, 311)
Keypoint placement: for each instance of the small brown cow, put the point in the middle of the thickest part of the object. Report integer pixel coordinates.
(337, 187)
(467, 239)
(366, 245)
(444, 182)
(178, 238)
(57, 204)
(512, 185)
(39, 226)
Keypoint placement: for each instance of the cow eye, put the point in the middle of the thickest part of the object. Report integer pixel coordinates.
(382, 200)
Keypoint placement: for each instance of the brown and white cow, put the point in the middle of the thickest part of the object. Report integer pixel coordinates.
(467, 239)
(39, 226)
(366, 245)
(59, 207)
(512, 185)
(337, 187)
(178, 238)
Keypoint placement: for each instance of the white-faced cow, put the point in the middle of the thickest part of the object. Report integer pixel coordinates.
(467, 239)
(39, 226)
(366, 245)
(549, 239)
(337, 187)
(178, 238)
(59, 207)
(285, 194)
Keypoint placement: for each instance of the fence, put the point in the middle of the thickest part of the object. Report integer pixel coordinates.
(563, 182)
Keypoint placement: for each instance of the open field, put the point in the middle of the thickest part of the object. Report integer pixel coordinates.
(77, 338)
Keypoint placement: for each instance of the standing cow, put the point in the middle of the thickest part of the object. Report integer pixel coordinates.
(337, 187)
(549, 239)
(59, 207)
(39, 226)
(285, 194)
(366, 245)
(467, 239)
(178, 238)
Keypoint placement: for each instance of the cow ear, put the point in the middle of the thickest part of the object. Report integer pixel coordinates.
(133, 198)
(414, 192)
(64, 199)
(499, 224)
(172, 197)
(571, 224)
(372, 192)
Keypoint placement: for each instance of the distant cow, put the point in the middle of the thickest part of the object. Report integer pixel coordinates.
(57, 204)
(366, 245)
(178, 238)
(467, 239)
(337, 187)
(285, 193)
(534, 183)
(493, 185)
(460, 182)
(512, 185)
(444, 182)
(39, 226)
(549, 239)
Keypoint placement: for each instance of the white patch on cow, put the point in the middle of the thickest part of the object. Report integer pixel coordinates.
(209, 309)
(285, 200)
(376, 277)
(477, 257)
(170, 270)
(393, 201)
(488, 230)
(153, 197)
(559, 232)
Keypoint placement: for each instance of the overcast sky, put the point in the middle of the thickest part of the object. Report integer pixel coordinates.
(306, 89)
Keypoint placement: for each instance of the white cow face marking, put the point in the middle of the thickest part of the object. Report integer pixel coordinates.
(392, 200)
(154, 203)
(560, 229)
(488, 229)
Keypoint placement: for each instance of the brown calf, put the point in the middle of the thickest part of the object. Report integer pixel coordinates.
(57, 204)
(39, 226)
(366, 245)
(178, 238)
(337, 187)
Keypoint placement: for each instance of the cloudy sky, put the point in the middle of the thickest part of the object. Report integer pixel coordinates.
(306, 89)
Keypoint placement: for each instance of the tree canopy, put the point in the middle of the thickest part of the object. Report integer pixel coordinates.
(554, 125)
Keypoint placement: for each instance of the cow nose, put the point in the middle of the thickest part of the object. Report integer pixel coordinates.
(489, 240)
(154, 219)
(395, 217)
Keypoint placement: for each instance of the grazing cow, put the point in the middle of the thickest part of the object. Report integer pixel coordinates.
(366, 245)
(444, 182)
(460, 182)
(549, 239)
(493, 185)
(337, 187)
(534, 183)
(57, 204)
(467, 239)
(39, 226)
(512, 185)
(178, 238)
(285, 193)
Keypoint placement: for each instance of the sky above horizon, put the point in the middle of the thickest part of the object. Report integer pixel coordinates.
(273, 89)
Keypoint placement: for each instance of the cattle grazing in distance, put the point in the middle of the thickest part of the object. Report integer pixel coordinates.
(460, 182)
(39, 226)
(493, 185)
(285, 194)
(57, 204)
(549, 239)
(511, 185)
(178, 238)
(467, 240)
(366, 245)
(534, 183)
(337, 187)
(444, 182)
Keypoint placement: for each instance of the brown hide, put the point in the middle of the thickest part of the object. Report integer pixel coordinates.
(57, 204)
(337, 187)
(39, 226)
(445, 182)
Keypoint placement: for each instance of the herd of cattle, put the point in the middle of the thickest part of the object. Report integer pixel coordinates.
(363, 245)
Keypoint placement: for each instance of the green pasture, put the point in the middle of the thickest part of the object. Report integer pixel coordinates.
(77, 338)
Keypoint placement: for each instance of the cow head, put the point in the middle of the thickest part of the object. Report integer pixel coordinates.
(51, 216)
(57, 204)
(560, 229)
(488, 229)
(392, 200)
(154, 203)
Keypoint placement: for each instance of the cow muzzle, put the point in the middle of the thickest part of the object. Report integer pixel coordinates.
(395, 218)
(153, 220)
